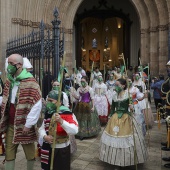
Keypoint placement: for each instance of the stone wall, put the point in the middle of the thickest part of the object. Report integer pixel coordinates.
(154, 25)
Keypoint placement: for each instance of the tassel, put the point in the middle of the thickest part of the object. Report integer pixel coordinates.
(168, 144)
(2, 141)
(157, 115)
(38, 151)
(158, 118)
(159, 121)
(1, 144)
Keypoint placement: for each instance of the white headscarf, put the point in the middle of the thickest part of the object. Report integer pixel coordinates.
(6, 64)
(26, 63)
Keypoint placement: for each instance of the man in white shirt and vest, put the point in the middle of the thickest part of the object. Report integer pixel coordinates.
(20, 109)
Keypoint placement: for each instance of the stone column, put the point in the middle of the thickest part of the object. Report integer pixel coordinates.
(154, 55)
(145, 46)
(163, 48)
(69, 49)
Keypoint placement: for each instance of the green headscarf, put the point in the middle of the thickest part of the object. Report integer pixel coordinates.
(16, 81)
(53, 94)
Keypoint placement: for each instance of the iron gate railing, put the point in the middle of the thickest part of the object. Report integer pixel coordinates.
(44, 48)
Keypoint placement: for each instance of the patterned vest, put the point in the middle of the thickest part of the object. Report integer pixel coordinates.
(28, 95)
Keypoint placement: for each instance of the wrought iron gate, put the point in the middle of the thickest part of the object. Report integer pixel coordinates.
(43, 48)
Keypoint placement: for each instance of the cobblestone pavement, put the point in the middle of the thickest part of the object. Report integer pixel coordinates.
(86, 157)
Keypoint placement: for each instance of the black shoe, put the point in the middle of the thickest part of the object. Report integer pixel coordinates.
(164, 148)
(166, 158)
(164, 143)
(167, 165)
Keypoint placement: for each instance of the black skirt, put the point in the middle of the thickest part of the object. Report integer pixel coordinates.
(61, 158)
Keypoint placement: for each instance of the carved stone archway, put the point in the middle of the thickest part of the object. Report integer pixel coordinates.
(154, 19)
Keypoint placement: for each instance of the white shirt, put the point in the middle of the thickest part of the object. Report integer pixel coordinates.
(83, 73)
(65, 99)
(70, 128)
(135, 90)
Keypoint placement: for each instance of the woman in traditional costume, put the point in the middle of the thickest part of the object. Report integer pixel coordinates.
(100, 100)
(122, 142)
(89, 124)
(144, 104)
(137, 96)
(110, 90)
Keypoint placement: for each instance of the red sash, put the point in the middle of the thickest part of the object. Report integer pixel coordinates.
(68, 118)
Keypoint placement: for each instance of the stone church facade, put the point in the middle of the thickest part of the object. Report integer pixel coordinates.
(152, 29)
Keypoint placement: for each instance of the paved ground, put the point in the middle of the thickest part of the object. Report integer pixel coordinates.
(86, 157)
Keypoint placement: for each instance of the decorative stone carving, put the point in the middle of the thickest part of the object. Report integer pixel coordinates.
(155, 29)
(29, 23)
(144, 31)
(37, 24)
(163, 27)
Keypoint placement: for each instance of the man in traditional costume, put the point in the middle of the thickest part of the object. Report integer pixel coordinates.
(20, 109)
(66, 124)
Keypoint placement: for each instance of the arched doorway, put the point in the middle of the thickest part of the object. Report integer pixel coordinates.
(110, 29)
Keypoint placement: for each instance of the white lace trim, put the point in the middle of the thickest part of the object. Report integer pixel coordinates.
(117, 142)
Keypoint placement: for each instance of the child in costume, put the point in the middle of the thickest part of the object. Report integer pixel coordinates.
(66, 125)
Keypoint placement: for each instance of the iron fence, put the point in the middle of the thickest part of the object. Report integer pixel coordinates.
(44, 48)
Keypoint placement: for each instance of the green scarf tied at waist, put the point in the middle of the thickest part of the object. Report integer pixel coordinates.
(120, 113)
(16, 81)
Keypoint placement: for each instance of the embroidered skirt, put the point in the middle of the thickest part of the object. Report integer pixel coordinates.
(89, 124)
(117, 142)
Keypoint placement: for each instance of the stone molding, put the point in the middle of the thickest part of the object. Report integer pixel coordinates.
(37, 25)
(155, 29)
(29, 23)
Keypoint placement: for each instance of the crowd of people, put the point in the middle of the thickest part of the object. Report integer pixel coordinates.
(120, 102)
